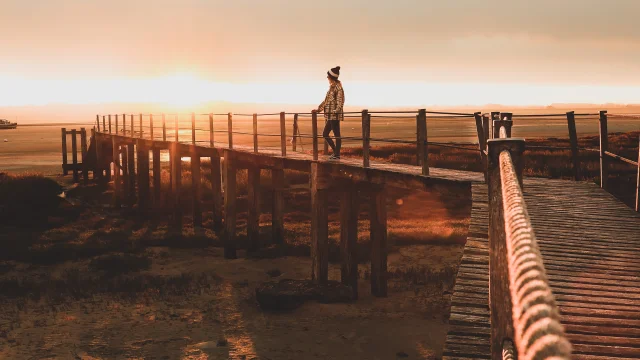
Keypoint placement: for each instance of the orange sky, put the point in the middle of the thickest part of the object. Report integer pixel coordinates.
(404, 53)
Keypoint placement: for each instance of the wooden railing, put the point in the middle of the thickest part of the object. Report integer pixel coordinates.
(523, 312)
(75, 166)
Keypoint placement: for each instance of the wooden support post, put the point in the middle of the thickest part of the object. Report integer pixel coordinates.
(124, 124)
(349, 238)
(193, 128)
(573, 140)
(499, 293)
(604, 146)
(117, 127)
(283, 134)
(97, 169)
(378, 229)
(216, 189)
(507, 122)
(125, 174)
(253, 198)
(495, 115)
(229, 205)
(164, 128)
(151, 126)
(140, 124)
(109, 124)
(294, 142)
(638, 181)
(83, 152)
(133, 132)
(157, 177)
(195, 186)
(74, 155)
(482, 143)
(64, 152)
(211, 143)
(319, 224)
(98, 122)
(230, 129)
(418, 160)
(255, 133)
(132, 173)
(143, 176)
(486, 127)
(366, 135)
(277, 214)
(176, 184)
(423, 147)
(116, 172)
(314, 133)
(104, 124)
(176, 129)
(106, 164)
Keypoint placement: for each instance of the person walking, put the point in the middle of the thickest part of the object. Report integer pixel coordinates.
(332, 107)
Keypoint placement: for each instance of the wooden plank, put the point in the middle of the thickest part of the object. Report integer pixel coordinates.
(253, 199)
(349, 207)
(378, 233)
(64, 152)
(319, 225)
(229, 205)
(277, 215)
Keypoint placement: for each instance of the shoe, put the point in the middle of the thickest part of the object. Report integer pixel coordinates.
(334, 157)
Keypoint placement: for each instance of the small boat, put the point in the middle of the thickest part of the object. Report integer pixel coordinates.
(6, 124)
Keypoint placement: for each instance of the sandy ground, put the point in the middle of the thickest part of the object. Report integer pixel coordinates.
(410, 323)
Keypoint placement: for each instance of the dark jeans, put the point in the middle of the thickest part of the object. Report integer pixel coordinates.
(328, 127)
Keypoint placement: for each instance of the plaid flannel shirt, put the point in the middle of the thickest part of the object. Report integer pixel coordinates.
(333, 103)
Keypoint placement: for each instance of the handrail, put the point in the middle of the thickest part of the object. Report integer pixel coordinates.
(525, 310)
(622, 158)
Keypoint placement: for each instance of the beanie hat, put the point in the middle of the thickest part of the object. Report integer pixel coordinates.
(334, 72)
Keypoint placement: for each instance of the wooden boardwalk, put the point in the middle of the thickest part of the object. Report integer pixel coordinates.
(590, 243)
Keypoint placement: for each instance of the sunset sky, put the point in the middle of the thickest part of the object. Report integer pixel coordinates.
(392, 53)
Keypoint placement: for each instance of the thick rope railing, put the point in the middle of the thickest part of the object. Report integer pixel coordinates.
(536, 323)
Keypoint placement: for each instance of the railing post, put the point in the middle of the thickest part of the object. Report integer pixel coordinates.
(604, 147)
(423, 150)
(98, 122)
(151, 126)
(495, 115)
(193, 128)
(485, 128)
(195, 186)
(109, 124)
(97, 170)
(116, 124)
(74, 155)
(211, 144)
(65, 171)
(507, 122)
(294, 143)
(141, 129)
(164, 128)
(573, 139)
(482, 143)
(638, 180)
(124, 124)
(83, 149)
(283, 134)
(230, 129)
(366, 134)
(499, 292)
(104, 124)
(177, 129)
(229, 205)
(255, 133)
(314, 133)
(115, 146)
(133, 133)
(176, 184)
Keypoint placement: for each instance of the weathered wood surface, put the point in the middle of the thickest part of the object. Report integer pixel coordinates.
(589, 243)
